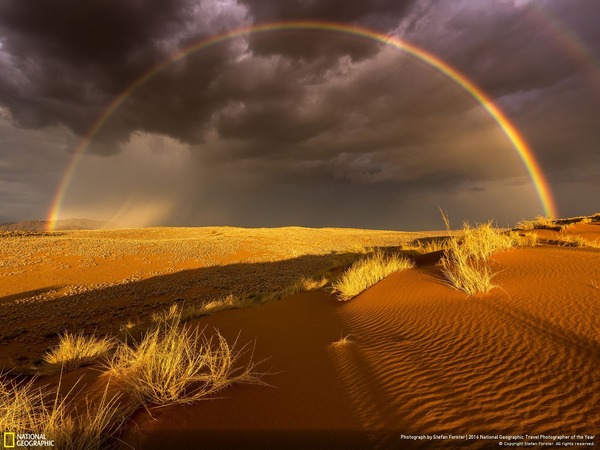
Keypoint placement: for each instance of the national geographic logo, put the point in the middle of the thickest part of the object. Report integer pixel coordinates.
(9, 440)
(14, 440)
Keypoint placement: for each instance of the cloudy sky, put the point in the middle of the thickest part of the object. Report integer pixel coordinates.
(297, 127)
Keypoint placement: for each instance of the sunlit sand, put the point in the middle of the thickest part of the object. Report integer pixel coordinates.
(408, 356)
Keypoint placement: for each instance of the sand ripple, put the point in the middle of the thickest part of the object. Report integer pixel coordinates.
(522, 359)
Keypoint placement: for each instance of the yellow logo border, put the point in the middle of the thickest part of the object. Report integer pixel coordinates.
(8, 434)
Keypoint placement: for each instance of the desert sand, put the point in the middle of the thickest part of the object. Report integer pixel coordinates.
(419, 358)
(98, 280)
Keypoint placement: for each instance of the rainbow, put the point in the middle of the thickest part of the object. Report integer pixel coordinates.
(518, 142)
(571, 44)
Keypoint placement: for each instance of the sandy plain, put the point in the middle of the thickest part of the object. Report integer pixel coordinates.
(420, 358)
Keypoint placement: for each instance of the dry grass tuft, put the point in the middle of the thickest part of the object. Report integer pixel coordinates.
(20, 405)
(540, 222)
(175, 364)
(167, 315)
(528, 239)
(186, 313)
(75, 350)
(465, 263)
(303, 284)
(566, 226)
(306, 284)
(228, 302)
(360, 249)
(465, 272)
(342, 341)
(483, 240)
(432, 245)
(130, 325)
(366, 272)
(575, 240)
(26, 409)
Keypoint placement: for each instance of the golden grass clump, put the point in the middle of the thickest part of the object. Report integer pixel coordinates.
(466, 272)
(540, 222)
(342, 341)
(20, 404)
(185, 313)
(575, 240)
(360, 249)
(465, 263)
(482, 241)
(303, 284)
(566, 226)
(27, 409)
(174, 364)
(228, 302)
(167, 315)
(366, 272)
(306, 284)
(528, 239)
(429, 246)
(75, 350)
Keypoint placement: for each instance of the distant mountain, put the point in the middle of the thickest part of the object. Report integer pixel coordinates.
(65, 224)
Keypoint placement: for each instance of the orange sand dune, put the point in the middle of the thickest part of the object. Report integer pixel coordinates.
(589, 231)
(423, 359)
(98, 281)
(420, 358)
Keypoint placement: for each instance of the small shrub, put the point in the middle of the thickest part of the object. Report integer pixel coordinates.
(540, 222)
(129, 325)
(306, 284)
(360, 249)
(303, 284)
(20, 405)
(167, 315)
(179, 365)
(430, 246)
(482, 241)
(523, 240)
(465, 272)
(25, 409)
(75, 350)
(228, 302)
(366, 272)
(342, 342)
(465, 263)
(575, 240)
(186, 313)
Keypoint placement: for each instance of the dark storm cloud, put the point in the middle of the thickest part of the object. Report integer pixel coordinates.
(67, 59)
(376, 13)
(538, 60)
(513, 46)
(287, 114)
(90, 32)
(381, 15)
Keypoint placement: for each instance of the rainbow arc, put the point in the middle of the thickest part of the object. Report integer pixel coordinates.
(517, 141)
